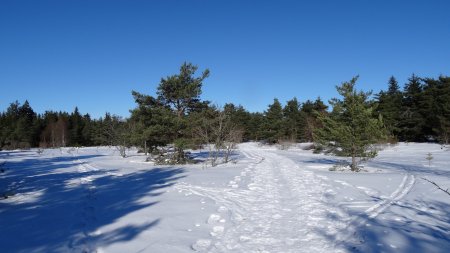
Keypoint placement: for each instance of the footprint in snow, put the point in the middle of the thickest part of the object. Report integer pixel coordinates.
(201, 245)
(244, 238)
(217, 231)
(213, 218)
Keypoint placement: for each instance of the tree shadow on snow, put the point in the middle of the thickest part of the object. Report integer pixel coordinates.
(52, 211)
(409, 229)
(411, 168)
(204, 155)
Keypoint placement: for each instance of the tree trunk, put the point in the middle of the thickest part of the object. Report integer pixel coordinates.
(353, 166)
(145, 148)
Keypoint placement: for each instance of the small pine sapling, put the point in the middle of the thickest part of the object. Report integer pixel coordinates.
(429, 158)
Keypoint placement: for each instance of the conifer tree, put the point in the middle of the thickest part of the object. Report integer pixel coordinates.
(411, 120)
(390, 106)
(293, 120)
(76, 128)
(255, 126)
(351, 130)
(311, 110)
(240, 117)
(154, 123)
(435, 108)
(182, 92)
(273, 121)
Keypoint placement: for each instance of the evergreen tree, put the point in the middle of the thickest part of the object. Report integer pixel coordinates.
(293, 120)
(351, 130)
(11, 117)
(76, 126)
(182, 92)
(390, 106)
(311, 110)
(24, 129)
(87, 131)
(154, 123)
(241, 118)
(18, 130)
(255, 129)
(435, 108)
(411, 121)
(273, 120)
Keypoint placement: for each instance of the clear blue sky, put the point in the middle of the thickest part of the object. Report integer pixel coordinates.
(91, 54)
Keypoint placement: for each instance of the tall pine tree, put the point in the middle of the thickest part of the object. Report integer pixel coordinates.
(273, 120)
(351, 130)
(411, 120)
(390, 107)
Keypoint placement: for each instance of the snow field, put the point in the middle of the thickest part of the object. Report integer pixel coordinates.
(92, 200)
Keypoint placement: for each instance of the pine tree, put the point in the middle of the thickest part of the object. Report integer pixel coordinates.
(390, 106)
(182, 92)
(411, 120)
(240, 117)
(273, 121)
(293, 120)
(255, 129)
(76, 126)
(435, 108)
(351, 130)
(311, 110)
(154, 124)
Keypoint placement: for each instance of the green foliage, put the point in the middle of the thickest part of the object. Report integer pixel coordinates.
(273, 122)
(311, 112)
(420, 112)
(351, 129)
(182, 92)
(241, 118)
(435, 108)
(153, 123)
(294, 121)
(18, 126)
(412, 121)
(390, 107)
(167, 119)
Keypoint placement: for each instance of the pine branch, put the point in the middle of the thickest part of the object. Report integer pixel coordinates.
(432, 182)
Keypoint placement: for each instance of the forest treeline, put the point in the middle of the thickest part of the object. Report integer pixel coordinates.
(417, 112)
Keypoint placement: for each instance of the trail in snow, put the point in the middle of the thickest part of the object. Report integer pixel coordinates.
(349, 234)
(282, 209)
(85, 215)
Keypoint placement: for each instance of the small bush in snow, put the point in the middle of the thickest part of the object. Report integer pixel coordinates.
(285, 144)
(429, 158)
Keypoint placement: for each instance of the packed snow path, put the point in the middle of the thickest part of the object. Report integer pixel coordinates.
(281, 209)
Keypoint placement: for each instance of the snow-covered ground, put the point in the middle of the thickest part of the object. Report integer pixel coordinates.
(268, 200)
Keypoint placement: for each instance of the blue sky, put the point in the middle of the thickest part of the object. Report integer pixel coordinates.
(91, 54)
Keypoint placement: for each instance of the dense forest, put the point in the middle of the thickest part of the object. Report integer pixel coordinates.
(418, 112)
